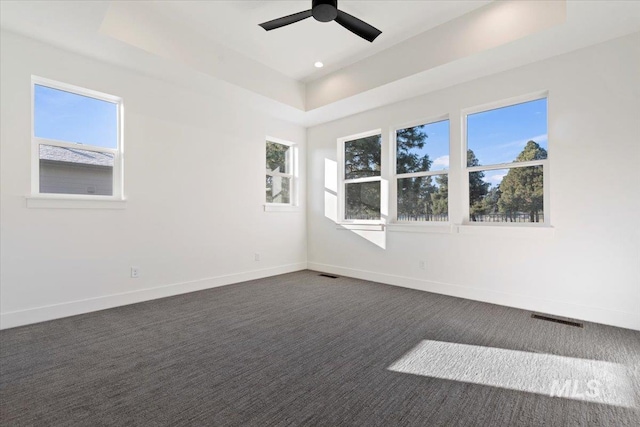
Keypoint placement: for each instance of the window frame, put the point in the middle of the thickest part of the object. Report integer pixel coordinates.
(292, 158)
(342, 181)
(393, 163)
(118, 152)
(466, 171)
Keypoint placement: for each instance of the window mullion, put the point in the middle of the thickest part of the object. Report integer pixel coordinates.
(35, 167)
(117, 175)
(393, 181)
(458, 185)
(280, 174)
(421, 174)
(512, 165)
(360, 180)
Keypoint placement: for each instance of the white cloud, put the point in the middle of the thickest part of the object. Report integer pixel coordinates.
(441, 161)
(522, 142)
(496, 178)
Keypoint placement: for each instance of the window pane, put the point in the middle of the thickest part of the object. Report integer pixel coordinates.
(423, 198)
(278, 189)
(66, 116)
(362, 157)
(278, 156)
(507, 195)
(363, 200)
(423, 148)
(73, 171)
(516, 133)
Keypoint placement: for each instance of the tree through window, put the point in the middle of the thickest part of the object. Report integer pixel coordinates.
(362, 162)
(422, 163)
(506, 159)
(280, 179)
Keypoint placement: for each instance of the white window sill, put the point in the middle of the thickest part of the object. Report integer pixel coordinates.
(274, 207)
(442, 228)
(506, 230)
(363, 226)
(531, 231)
(70, 202)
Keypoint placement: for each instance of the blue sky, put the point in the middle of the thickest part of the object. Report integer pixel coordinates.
(495, 136)
(498, 136)
(437, 144)
(69, 117)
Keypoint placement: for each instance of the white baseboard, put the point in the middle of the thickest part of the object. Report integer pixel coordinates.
(621, 319)
(72, 308)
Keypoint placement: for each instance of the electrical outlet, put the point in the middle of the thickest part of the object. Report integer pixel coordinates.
(256, 257)
(422, 264)
(135, 272)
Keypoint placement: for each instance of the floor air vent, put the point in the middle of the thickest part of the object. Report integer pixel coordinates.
(328, 275)
(557, 320)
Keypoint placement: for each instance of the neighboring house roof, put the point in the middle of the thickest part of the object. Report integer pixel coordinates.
(72, 155)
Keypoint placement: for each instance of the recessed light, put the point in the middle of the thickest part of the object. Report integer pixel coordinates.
(319, 64)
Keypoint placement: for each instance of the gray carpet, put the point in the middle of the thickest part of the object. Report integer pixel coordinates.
(304, 350)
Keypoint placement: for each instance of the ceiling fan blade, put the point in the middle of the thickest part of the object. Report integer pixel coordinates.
(356, 26)
(286, 20)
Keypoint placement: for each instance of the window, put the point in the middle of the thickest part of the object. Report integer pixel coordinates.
(421, 172)
(506, 167)
(281, 157)
(498, 175)
(361, 180)
(76, 142)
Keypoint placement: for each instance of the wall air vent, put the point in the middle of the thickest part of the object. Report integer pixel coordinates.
(564, 321)
(328, 275)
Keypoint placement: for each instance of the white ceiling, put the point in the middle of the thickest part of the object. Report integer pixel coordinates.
(213, 46)
(293, 50)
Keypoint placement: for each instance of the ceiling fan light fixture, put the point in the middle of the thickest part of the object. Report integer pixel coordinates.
(324, 10)
(327, 11)
(318, 64)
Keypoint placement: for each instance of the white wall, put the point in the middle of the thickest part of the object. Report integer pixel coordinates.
(194, 182)
(587, 267)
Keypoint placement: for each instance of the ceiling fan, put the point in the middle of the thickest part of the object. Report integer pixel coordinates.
(326, 11)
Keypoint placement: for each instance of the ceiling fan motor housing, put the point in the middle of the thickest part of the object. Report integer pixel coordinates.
(327, 11)
(324, 10)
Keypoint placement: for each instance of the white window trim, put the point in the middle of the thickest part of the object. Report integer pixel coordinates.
(413, 226)
(498, 229)
(492, 226)
(356, 226)
(437, 227)
(293, 205)
(81, 201)
(342, 182)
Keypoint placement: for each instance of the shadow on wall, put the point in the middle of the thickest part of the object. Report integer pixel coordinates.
(373, 233)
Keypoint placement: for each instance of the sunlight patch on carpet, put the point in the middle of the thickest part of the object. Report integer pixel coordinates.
(547, 374)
